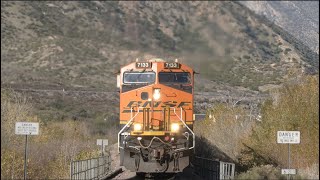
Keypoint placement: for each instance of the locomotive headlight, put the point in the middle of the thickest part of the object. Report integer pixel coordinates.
(175, 127)
(137, 127)
(156, 94)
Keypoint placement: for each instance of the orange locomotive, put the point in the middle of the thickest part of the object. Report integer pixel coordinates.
(156, 116)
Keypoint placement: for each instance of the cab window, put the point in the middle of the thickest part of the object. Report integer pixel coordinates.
(174, 78)
(139, 77)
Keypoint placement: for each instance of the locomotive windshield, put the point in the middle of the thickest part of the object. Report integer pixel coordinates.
(174, 78)
(138, 77)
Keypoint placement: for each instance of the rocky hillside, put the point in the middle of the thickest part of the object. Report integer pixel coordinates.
(300, 18)
(78, 45)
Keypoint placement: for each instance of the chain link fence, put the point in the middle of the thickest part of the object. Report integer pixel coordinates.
(94, 168)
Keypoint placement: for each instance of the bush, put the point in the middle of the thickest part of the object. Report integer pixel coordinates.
(225, 128)
(311, 172)
(264, 172)
(295, 107)
(14, 108)
(50, 152)
(287, 50)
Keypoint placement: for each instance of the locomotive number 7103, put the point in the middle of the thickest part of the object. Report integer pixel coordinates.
(171, 65)
(143, 65)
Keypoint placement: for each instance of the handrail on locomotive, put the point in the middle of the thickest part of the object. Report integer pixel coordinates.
(174, 110)
(126, 126)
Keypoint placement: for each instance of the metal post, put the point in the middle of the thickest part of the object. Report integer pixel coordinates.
(288, 159)
(152, 114)
(98, 168)
(71, 170)
(85, 169)
(25, 158)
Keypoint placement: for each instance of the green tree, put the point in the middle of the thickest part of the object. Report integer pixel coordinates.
(295, 107)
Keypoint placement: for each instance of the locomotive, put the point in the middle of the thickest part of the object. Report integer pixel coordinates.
(156, 116)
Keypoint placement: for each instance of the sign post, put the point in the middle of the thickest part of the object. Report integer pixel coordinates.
(26, 128)
(25, 158)
(102, 143)
(288, 137)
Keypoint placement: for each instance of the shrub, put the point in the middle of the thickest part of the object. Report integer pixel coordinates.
(264, 172)
(50, 152)
(295, 107)
(246, 57)
(287, 50)
(227, 122)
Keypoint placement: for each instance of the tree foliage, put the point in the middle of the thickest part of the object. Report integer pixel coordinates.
(50, 152)
(225, 126)
(295, 107)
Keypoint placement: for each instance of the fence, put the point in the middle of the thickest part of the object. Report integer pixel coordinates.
(227, 170)
(94, 168)
(214, 170)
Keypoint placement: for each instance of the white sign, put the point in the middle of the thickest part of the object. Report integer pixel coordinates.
(288, 137)
(27, 128)
(102, 141)
(288, 171)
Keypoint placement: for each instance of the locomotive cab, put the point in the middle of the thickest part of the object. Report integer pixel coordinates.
(156, 116)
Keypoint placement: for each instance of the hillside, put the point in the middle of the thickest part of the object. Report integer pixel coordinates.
(300, 18)
(78, 45)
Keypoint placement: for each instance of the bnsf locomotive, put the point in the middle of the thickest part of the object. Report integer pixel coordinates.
(156, 116)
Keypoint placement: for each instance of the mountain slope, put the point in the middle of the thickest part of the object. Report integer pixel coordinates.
(79, 45)
(73, 43)
(301, 18)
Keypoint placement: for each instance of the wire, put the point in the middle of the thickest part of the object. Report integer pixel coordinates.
(152, 141)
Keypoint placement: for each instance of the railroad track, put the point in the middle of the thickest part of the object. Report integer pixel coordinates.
(126, 174)
(133, 176)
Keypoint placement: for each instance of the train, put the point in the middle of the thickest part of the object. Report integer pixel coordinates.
(156, 116)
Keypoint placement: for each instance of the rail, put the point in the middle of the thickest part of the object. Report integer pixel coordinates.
(94, 168)
(214, 170)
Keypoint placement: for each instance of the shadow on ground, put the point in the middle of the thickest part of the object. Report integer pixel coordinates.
(247, 159)
(208, 150)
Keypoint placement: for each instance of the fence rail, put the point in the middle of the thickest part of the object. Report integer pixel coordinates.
(94, 168)
(213, 170)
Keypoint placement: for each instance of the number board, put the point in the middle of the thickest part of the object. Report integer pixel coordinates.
(143, 65)
(172, 65)
(288, 171)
